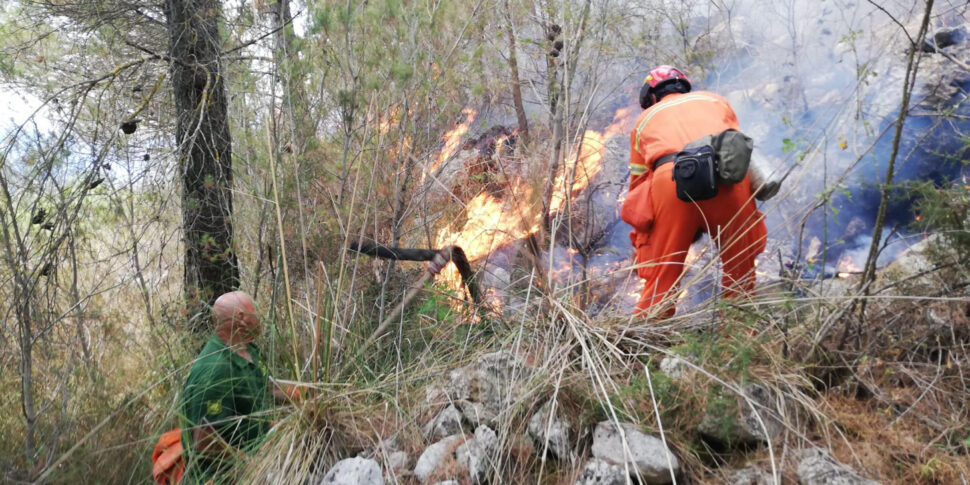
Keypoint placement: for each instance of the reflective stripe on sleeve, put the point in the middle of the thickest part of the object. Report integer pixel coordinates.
(637, 169)
(662, 106)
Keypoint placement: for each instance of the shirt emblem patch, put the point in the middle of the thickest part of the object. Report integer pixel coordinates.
(214, 407)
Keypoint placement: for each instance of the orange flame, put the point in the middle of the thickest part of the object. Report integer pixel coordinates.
(579, 169)
(814, 246)
(622, 120)
(453, 137)
(846, 267)
(492, 222)
(759, 272)
(500, 145)
(583, 168)
(693, 256)
(387, 121)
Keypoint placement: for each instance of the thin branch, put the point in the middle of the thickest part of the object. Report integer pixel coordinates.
(895, 21)
(261, 37)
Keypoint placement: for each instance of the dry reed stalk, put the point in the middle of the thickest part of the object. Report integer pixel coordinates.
(286, 271)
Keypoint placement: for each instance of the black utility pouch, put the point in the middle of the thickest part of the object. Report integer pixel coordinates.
(695, 173)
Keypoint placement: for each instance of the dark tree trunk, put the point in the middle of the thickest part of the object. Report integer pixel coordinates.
(554, 96)
(204, 150)
(516, 83)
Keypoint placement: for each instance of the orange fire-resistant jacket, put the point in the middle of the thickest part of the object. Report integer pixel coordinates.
(730, 218)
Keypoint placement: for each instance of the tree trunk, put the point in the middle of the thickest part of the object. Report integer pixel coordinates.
(291, 77)
(15, 256)
(553, 93)
(516, 83)
(558, 94)
(205, 156)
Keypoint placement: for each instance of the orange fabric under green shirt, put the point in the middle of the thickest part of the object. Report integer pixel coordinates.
(731, 218)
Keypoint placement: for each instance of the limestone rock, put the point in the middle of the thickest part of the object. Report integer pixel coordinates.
(817, 467)
(942, 77)
(388, 453)
(446, 423)
(435, 396)
(477, 413)
(485, 388)
(476, 453)
(674, 366)
(554, 434)
(647, 454)
(354, 471)
(601, 472)
(750, 475)
(434, 456)
(742, 426)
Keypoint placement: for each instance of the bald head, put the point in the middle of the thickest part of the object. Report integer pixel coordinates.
(235, 317)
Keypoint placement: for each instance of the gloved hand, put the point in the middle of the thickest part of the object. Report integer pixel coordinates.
(767, 190)
(437, 264)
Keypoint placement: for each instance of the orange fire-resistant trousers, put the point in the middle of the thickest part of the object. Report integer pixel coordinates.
(731, 219)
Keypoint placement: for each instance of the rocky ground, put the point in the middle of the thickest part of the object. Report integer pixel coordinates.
(463, 445)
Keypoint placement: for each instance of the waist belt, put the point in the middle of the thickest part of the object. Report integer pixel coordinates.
(668, 158)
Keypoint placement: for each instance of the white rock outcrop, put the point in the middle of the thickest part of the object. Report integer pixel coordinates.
(354, 471)
(487, 387)
(476, 454)
(817, 467)
(674, 366)
(601, 472)
(446, 423)
(646, 455)
(397, 461)
(552, 432)
(433, 456)
(750, 475)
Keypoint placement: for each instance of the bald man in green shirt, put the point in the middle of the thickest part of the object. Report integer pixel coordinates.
(226, 394)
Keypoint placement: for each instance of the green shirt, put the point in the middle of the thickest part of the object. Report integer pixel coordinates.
(224, 391)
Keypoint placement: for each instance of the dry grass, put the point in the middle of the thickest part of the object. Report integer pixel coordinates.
(891, 402)
(892, 408)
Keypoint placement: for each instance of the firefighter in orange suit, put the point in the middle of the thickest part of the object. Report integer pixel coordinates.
(674, 116)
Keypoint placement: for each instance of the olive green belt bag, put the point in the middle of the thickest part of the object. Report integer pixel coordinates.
(732, 152)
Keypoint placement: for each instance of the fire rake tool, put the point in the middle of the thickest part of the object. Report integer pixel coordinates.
(450, 253)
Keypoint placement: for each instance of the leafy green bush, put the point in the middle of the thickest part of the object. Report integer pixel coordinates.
(945, 210)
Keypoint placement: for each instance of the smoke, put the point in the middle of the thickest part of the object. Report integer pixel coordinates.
(818, 86)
